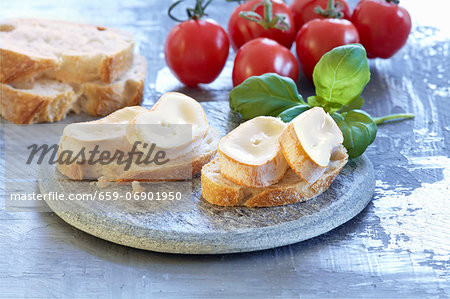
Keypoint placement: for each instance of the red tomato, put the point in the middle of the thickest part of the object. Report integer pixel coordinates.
(303, 10)
(196, 51)
(319, 36)
(242, 30)
(383, 27)
(263, 55)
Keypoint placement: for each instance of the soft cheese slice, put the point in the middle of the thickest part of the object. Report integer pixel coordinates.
(109, 133)
(250, 155)
(176, 124)
(308, 141)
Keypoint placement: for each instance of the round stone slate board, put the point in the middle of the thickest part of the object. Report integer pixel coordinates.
(196, 227)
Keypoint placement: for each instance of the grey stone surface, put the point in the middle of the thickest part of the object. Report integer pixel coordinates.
(397, 247)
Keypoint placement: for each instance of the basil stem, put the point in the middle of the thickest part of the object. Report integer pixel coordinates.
(400, 116)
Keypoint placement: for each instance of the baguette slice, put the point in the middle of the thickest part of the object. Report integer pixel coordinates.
(47, 100)
(69, 52)
(218, 190)
(250, 155)
(308, 141)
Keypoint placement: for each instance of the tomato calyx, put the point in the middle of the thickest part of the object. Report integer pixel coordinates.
(267, 21)
(393, 1)
(333, 10)
(195, 13)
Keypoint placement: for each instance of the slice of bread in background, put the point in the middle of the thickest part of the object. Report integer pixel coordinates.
(218, 190)
(46, 100)
(100, 99)
(61, 50)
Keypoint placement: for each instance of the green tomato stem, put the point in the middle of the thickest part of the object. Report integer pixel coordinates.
(269, 20)
(382, 119)
(195, 13)
(330, 4)
(268, 11)
(333, 10)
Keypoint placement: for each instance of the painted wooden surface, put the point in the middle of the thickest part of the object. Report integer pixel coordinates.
(399, 246)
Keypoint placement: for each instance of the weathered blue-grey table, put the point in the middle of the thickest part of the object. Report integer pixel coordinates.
(399, 246)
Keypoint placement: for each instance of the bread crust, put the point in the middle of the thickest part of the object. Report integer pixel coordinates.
(14, 66)
(297, 158)
(22, 107)
(218, 190)
(114, 66)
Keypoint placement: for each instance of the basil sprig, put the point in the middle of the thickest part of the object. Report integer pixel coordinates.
(339, 77)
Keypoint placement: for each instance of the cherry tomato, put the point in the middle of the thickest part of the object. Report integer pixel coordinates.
(242, 30)
(263, 55)
(303, 10)
(319, 36)
(196, 51)
(383, 27)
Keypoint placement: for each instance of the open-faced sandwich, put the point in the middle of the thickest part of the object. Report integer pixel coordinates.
(171, 141)
(265, 162)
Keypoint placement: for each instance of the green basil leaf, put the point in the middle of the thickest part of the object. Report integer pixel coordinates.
(355, 104)
(329, 107)
(268, 94)
(359, 131)
(291, 113)
(315, 101)
(341, 74)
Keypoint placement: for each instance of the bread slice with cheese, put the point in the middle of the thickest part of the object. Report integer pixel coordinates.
(308, 141)
(49, 100)
(65, 51)
(219, 190)
(125, 128)
(179, 169)
(250, 155)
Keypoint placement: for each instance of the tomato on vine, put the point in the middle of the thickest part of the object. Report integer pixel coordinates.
(196, 49)
(304, 10)
(319, 36)
(383, 26)
(262, 18)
